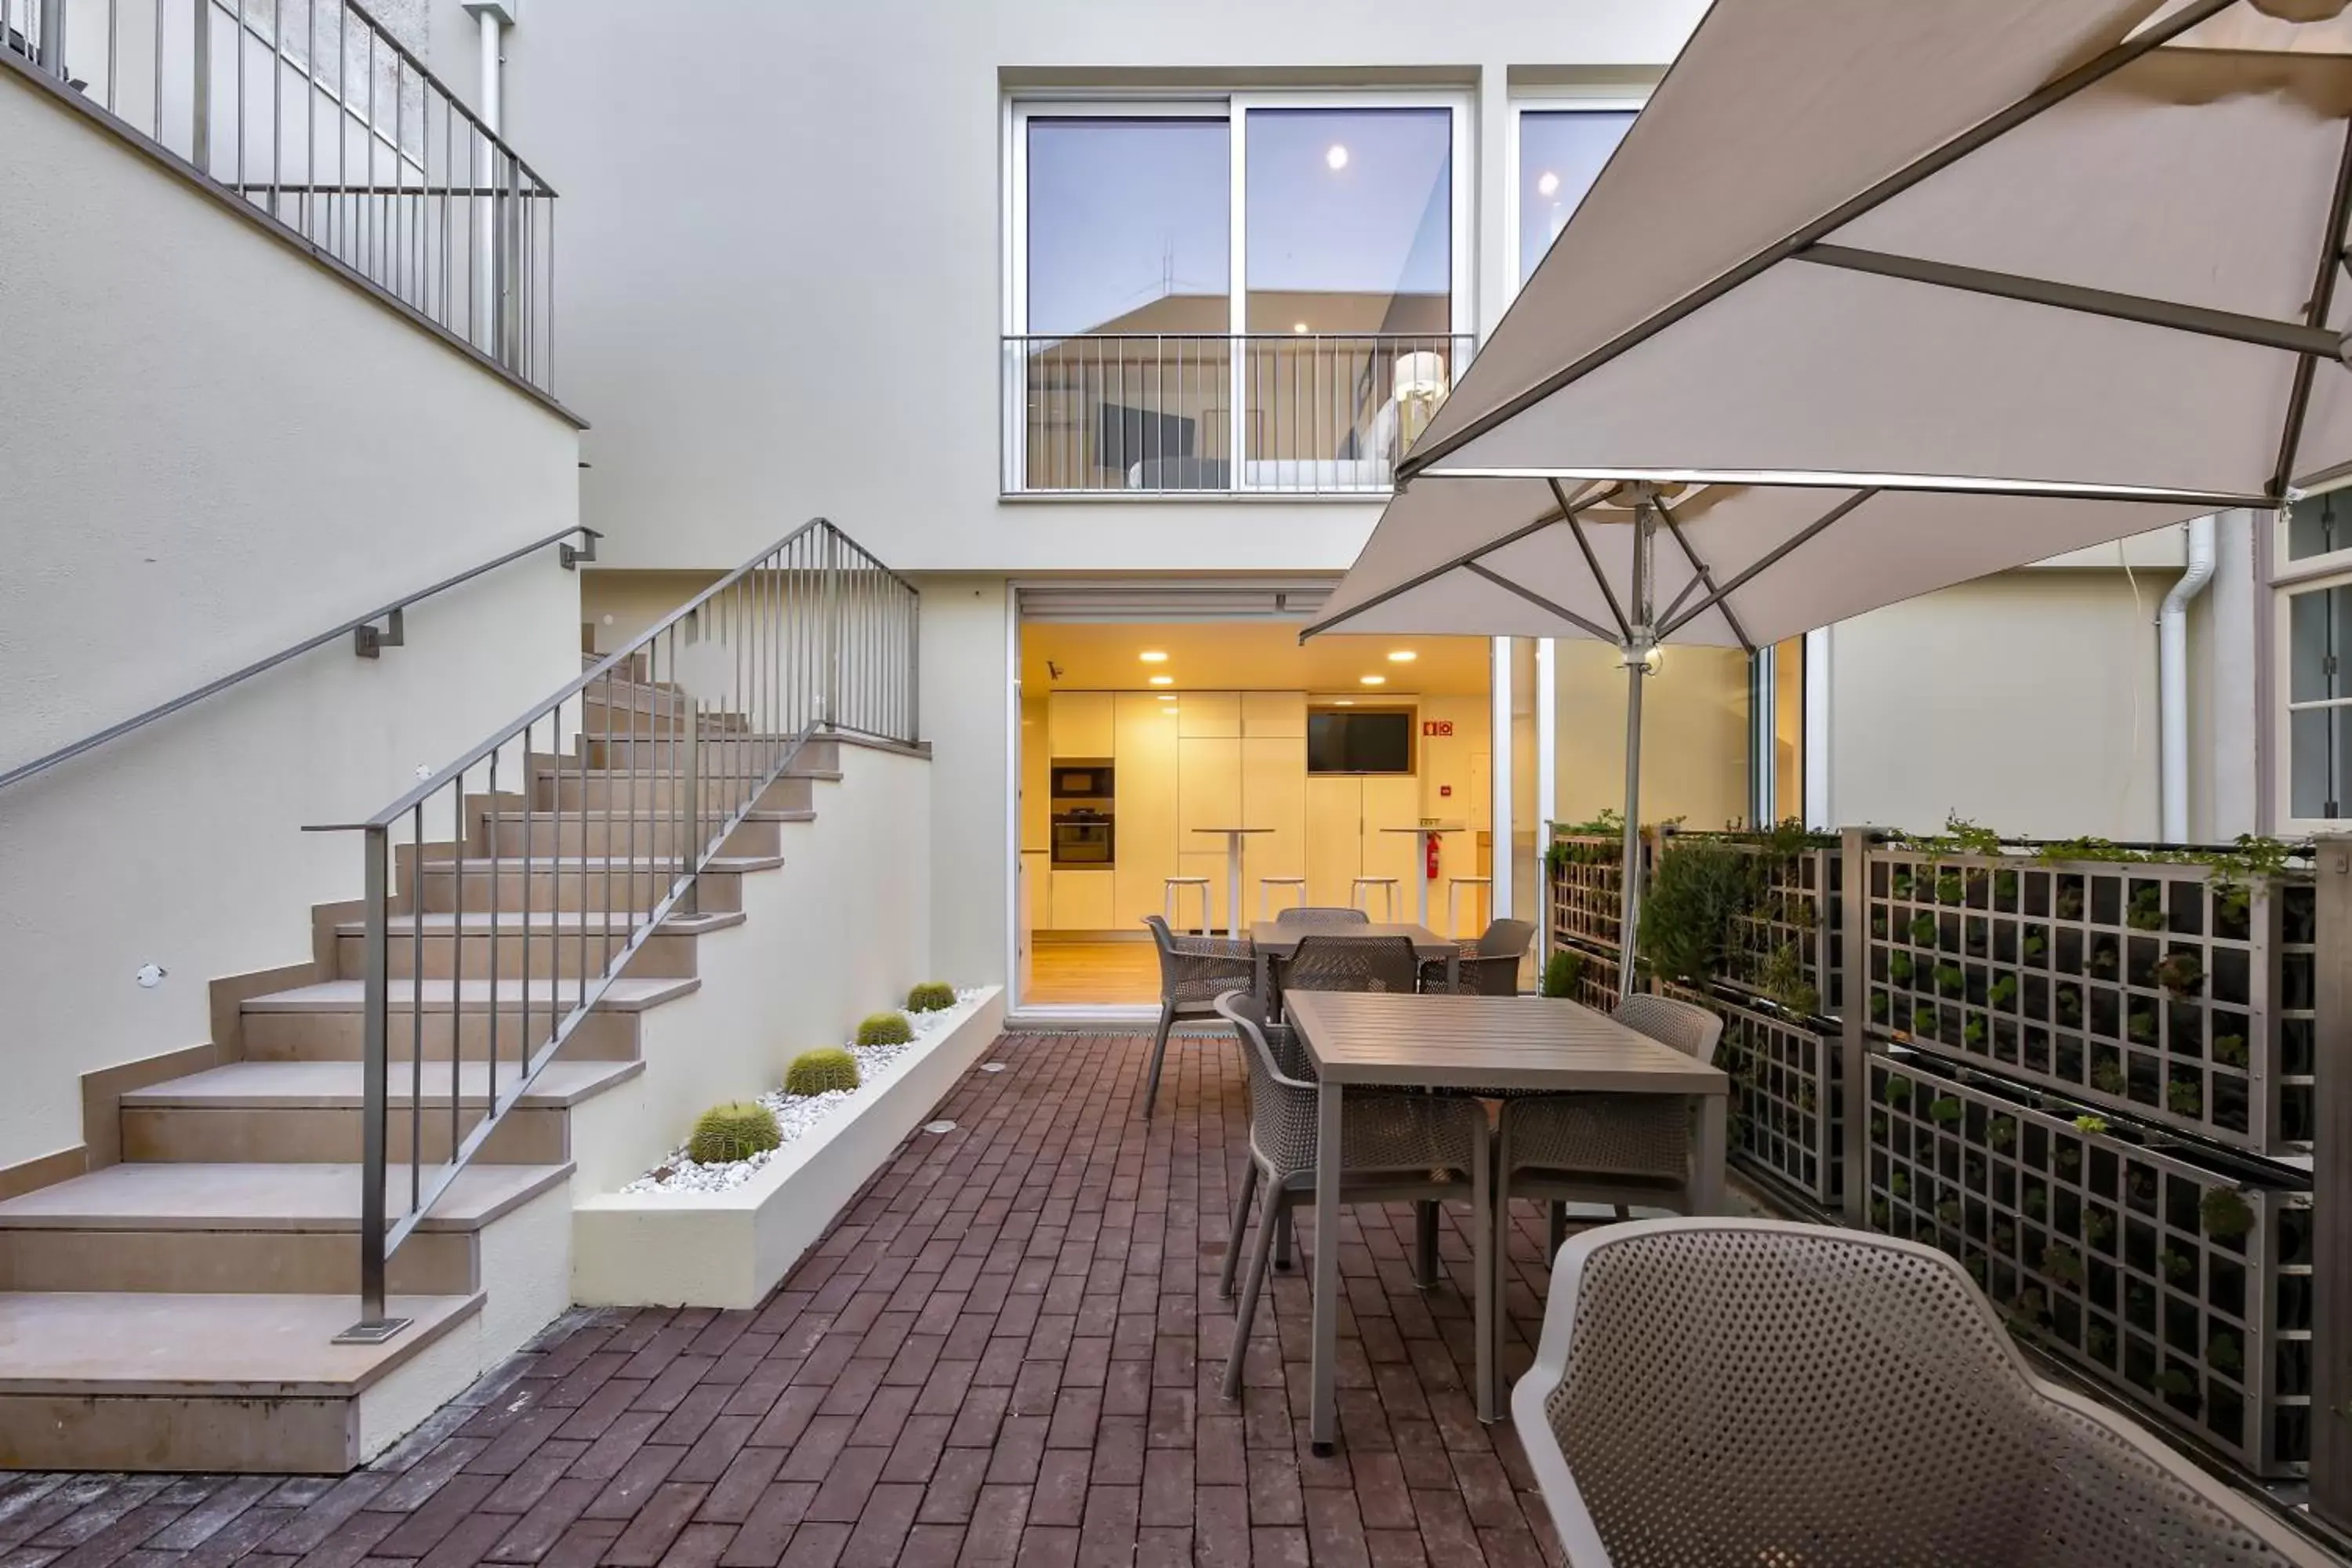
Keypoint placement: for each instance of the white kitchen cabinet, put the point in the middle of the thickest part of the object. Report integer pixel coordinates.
(1079, 725)
(1146, 845)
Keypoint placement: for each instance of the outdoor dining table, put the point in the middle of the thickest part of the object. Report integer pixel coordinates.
(1272, 939)
(1371, 1039)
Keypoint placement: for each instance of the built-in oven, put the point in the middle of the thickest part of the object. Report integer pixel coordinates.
(1084, 840)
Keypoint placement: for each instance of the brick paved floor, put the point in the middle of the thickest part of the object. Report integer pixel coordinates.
(1006, 1352)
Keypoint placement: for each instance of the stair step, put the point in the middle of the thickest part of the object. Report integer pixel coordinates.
(570, 788)
(568, 882)
(606, 1034)
(540, 944)
(645, 833)
(310, 1113)
(244, 1227)
(162, 1381)
(627, 995)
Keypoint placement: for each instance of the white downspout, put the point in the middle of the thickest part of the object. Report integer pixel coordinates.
(2172, 684)
(494, 16)
(493, 19)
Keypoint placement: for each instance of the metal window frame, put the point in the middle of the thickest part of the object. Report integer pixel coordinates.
(2283, 710)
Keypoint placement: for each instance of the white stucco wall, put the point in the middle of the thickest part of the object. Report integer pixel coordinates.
(210, 448)
(966, 713)
(2026, 702)
(781, 290)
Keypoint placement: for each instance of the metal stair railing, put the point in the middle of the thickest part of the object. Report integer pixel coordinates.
(506, 892)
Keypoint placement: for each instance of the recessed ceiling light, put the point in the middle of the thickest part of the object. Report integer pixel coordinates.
(1297, 326)
(1343, 703)
(1163, 680)
(1167, 697)
(1550, 185)
(1153, 656)
(1373, 679)
(1337, 157)
(1403, 655)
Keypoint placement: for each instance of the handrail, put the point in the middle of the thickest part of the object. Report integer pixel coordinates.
(356, 626)
(564, 841)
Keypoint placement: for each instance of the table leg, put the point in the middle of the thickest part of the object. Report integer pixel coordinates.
(1488, 1283)
(1323, 1419)
(1233, 886)
(1714, 1145)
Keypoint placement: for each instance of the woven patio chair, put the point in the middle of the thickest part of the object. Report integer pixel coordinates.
(1339, 962)
(1192, 971)
(1393, 1147)
(1488, 964)
(1321, 915)
(1714, 1391)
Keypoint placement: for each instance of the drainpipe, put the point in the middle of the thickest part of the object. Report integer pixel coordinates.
(2172, 684)
(494, 16)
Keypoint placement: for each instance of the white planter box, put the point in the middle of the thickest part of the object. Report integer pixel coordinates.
(730, 1249)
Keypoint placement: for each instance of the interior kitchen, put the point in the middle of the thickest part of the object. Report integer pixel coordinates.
(1205, 771)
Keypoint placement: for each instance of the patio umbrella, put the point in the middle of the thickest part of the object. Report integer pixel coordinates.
(1876, 298)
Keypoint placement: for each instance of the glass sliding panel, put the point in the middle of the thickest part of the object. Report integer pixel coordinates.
(2319, 525)
(1789, 728)
(1348, 241)
(1694, 735)
(2319, 696)
(1125, 366)
(1560, 154)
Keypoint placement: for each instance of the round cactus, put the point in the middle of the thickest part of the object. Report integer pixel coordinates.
(931, 996)
(821, 1071)
(736, 1130)
(885, 1029)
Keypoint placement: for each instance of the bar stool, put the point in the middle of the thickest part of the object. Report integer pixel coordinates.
(1264, 888)
(1361, 898)
(1172, 888)
(1454, 889)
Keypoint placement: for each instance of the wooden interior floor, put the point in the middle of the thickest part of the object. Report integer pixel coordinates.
(1092, 972)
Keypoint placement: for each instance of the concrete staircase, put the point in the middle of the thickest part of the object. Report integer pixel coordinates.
(176, 1311)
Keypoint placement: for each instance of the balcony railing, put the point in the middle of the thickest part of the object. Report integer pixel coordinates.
(322, 122)
(1160, 414)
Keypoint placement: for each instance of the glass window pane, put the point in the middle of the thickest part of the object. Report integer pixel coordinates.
(1694, 735)
(1789, 728)
(2319, 633)
(1560, 154)
(2319, 743)
(1130, 226)
(1350, 220)
(2317, 525)
(1126, 369)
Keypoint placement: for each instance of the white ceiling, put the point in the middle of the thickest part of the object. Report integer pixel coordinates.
(1244, 656)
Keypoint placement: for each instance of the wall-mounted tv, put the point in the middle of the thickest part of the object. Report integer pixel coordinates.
(1360, 741)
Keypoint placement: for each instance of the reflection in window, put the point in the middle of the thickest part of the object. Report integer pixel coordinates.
(2319, 701)
(1130, 242)
(1560, 154)
(2317, 525)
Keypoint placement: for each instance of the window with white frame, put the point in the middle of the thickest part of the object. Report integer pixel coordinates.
(2313, 588)
(1558, 151)
(1257, 293)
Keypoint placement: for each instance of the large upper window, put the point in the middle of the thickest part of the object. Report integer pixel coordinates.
(1258, 294)
(1560, 154)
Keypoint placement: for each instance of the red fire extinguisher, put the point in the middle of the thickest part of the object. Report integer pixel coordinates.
(1433, 856)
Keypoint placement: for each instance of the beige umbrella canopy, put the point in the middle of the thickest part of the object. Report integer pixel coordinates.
(1876, 298)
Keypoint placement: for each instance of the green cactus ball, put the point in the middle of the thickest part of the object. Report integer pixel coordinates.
(885, 1029)
(821, 1071)
(931, 996)
(736, 1130)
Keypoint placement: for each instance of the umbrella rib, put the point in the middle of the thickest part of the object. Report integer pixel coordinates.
(1616, 611)
(1932, 162)
(1410, 584)
(2323, 299)
(1722, 596)
(2295, 338)
(1702, 576)
(1593, 628)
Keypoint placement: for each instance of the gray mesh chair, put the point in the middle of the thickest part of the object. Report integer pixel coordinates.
(1321, 915)
(1338, 962)
(1615, 1149)
(1712, 1391)
(1192, 971)
(1393, 1147)
(1488, 966)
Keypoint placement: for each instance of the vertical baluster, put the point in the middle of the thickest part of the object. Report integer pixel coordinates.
(465, 825)
(112, 95)
(236, 39)
(416, 1001)
(611, 845)
(376, 1078)
(277, 99)
(497, 899)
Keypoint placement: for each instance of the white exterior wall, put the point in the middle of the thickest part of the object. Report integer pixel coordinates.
(211, 449)
(2025, 703)
(781, 236)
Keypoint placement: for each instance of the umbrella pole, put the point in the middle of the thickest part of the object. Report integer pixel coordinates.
(1637, 667)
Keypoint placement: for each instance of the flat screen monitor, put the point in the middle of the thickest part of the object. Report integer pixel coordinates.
(1371, 742)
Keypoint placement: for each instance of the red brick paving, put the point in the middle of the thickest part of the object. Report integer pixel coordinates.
(1006, 1352)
